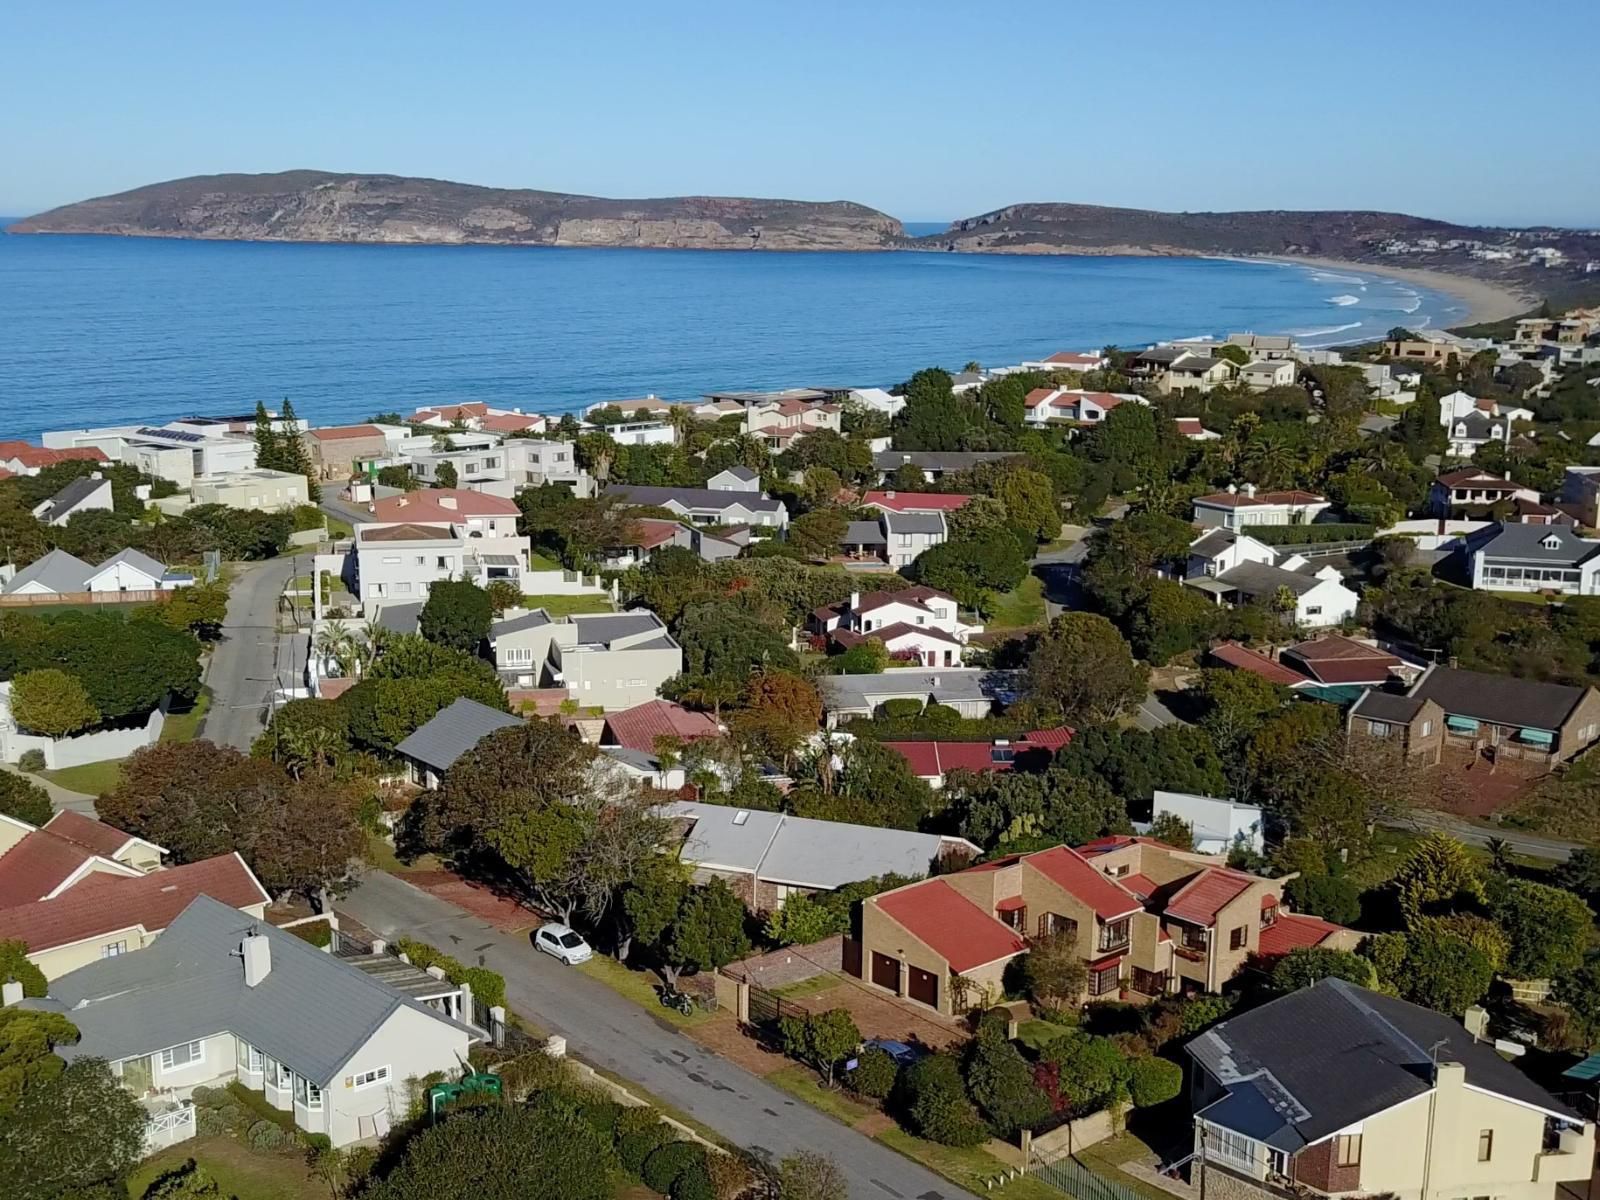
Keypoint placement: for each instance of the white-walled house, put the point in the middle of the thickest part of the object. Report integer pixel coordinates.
(90, 493)
(1234, 568)
(1239, 507)
(1534, 558)
(1218, 825)
(59, 573)
(919, 621)
(221, 997)
(399, 563)
(1044, 405)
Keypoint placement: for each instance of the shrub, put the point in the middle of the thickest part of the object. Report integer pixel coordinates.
(1204, 1011)
(1153, 1081)
(316, 1141)
(488, 986)
(1305, 535)
(1092, 1069)
(695, 1182)
(875, 1073)
(267, 1135)
(318, 933)
(636, 1117)
(636, 1147)
(1002, 1083)
(528, 1073)
(1331, 897)
(667, 1162)
(937, 1104)
(31, 760)
(23, 798)
(601, 1116)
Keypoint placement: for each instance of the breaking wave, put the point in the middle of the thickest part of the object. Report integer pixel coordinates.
(1344, 301)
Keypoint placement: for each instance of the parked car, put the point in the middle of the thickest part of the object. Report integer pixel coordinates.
(903, 1053)
(559, 941)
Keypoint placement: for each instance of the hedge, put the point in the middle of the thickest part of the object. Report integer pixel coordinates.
(488, 986)
(1305, 535)
(318, 933)
(1153, 1081)
(634, 1148)
(874, 1075)
(667, 1162)
(256, 1104)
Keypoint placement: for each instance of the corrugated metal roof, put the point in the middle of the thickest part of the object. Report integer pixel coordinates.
(453, 732)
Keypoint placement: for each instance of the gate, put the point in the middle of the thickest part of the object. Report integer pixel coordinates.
(1072, 1177)
(766, 1008)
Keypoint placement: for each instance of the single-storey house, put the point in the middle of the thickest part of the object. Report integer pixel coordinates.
(971, 691)
(88, 494)
(1217, 825)
(1267, 373)
(935, 464)
(932, 761)
(707, 506)
(432, 749)
(59, 573)
(1534, 558)
(1237, 508)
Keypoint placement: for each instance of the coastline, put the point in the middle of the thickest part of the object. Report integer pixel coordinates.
(1485, 301)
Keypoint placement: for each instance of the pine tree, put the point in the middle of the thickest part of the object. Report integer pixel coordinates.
(269, 450)
(293, 454)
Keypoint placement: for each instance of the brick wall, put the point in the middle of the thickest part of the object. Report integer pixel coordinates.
(1315, 1166)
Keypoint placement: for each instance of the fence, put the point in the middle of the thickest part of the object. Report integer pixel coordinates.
(45, 600)
(766, 1009)
(1072, 1177)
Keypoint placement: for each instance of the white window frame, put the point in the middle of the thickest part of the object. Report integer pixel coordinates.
(371, 1077)
(196, 1052)
(307, 1094)
(113, 949)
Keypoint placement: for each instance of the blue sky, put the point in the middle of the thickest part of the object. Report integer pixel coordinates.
(929, 111)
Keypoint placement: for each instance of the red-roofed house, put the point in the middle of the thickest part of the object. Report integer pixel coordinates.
(39, 864)
(1192, 429)
(105, 914)
(932, 761)
(1333, 659)
(871, 612)
(1148, 920)
(22, 459)
(1242, 658)
(914, 502)
(1043, 405)
(638, 728)
(1068, 360)
(451, 506)
(1238, 508)
(338, 449)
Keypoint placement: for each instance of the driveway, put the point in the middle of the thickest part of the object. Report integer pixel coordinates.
(253, 659)
(615, 1034)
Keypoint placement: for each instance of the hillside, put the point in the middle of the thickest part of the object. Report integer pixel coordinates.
(319, 206)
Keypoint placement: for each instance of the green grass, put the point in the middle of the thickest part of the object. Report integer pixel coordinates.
(380, 853)
(239, 1171)
(1036, 1034)
(1106, 1158)
(338, 529)
(542, 562)
(1018, 608)
(565, 606)
(640, 987)
(966, 1168)
(802, 1083)
(808, 987)
(92, 779)
(182, 727)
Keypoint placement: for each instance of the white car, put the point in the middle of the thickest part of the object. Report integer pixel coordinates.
(559, 941)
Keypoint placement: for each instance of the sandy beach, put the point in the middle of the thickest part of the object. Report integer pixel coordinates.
(1485, 301)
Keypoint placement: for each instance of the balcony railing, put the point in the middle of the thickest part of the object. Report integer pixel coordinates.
(169, 1127)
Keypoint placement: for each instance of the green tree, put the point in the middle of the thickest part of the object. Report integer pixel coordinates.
(1436, 970)
(74, 1136)
(24, 799)
(1580, 874)
(15, 968)
(458, 614)
(1153, 1081)
(1001, 1083)
(811, 1176)
(444, 476)
(936, 1102)
(1082, 665)
(1054, 972)
(1305, 966)
(1549, 928)
(707, 932)
(822, 1040)
(296, 458)
(1030, 503)
(819, 533)
(52, 703)
(725, 639)
(1092, 1068)
(801, 921)
(1173, 830)
(1331, 897)
(971, 570)
(200, 610)
(873, 785)
(269, 447)
(1439, 875)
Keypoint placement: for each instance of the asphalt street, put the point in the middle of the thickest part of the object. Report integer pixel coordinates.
(253, 659)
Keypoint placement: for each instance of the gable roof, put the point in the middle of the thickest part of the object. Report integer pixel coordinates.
(1336, 659)
(693, 497)
(512, 422)
(334, 433)
(939, 460)
(1527, 543)
(56, 571)
(455, 730)
(914, 501)
(1370, 1053)
(1293, 498)
(637, 728)
(137, 559)
(442, 504)
(1242, 658)
(951, 925)
(103, 902)
(1074, 873)
(311, 1012)
(95, 836)
(1263, 579)
(1295, 931)
(1377, 705)
(1498, 699)
(41, 862)
(934, 759)
(74, 494)
(534, 618)
(1205, 895)
(1479, 478)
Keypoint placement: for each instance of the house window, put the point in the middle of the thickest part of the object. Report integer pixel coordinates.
(1195, 938)
(1427, 728)
(249, 1058)
(1114, 934)
(1378, 728)
(1103, 982)
(1118, 871)
(1313, 610)
(307, 1094)
(112, 949)
(175, 1058)
(1347, 1150)
(370, 1077)
(1016, 918)
(1485, 1145)
(1238, 938)
(1055, 924)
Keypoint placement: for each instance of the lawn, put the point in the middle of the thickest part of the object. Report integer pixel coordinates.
(1036, 1034)
(338, 529)
(802, 1083)
(640, 987)
(809, 987)
(92, 779)
(182, 727)
(543, 562)
(971, 1169)
(238, 1170)
(1106, 1159)
(380, 853)
(566, 606)
(1020, 607)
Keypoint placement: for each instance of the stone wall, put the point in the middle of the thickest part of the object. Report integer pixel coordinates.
(1073, 1136)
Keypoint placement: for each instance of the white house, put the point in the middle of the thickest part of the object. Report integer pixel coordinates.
(1068, 360)
(1218, 825)
(1237, 508)
(708, 506)
(91, 493)
(1267, 373)
(735, 479)
(59, 573)
(920, 607)
(398, 563)
(1044, 405)
(878, 400)
(1233, 569)
(1192, 429)
(1534, 558)
(1471, 421)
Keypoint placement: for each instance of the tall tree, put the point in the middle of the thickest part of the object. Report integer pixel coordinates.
(269, 450)
(72, 1138)
(457, 614)
(293, 454)
(1082, 665)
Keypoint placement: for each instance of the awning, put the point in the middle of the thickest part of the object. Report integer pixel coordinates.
(1107, 964)
(1586, 1071)
(1462, 724)
(1539, 737)
(1010, 904)
(501, 560)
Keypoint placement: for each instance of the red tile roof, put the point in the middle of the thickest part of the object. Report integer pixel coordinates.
(1049, 739)
(655, 531)
(37, 865)
(1073, 872)
(638, 728)
(1075, 358)
(40, 456)
(951, 925)
(334, 433)
(915, 501)
(1116, 841)
(1292, 931)
(103, 903)
(1336, 659)
(1190, 426)
(1231, 654)
(332, 689)
(454, 412)
(434, 504)
(1478, 477)
(94, 836)
(930, 760)
(512, 422)
(1199, 900)
(1240, 500)
(1141, 886)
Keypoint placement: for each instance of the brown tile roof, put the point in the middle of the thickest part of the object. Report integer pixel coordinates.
(103, 903)
(37, 865)
(637, 728)
(433, 504)
(1294, 931)
(334, 433)
(405, 533)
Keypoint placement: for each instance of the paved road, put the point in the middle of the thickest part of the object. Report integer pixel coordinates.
(355, 514)
(1153, 714)
(615, 1034)
(253, 659)
(1526, 844)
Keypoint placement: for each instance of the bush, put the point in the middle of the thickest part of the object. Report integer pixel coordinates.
(667, 1162)
(634, 1118)
(528, 1073)
(636, 1147)
(937, 1105)
(255, 1105)
(318, 933)
(695, 1182)
(267, 1135)
(1305, 535)
(488, 986)
(875, 1074)
(1204, 1011)
(1331, 897)
(1153, 1081)
(601, 1116)
(308, 517)
(316, 1141)
(32, 760)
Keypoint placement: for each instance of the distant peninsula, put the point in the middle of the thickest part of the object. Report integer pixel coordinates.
(322, 206)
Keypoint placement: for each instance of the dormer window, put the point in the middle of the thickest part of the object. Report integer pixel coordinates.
(1551, 542)
(1461, 429)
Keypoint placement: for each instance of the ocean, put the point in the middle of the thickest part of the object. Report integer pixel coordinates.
(105, 330)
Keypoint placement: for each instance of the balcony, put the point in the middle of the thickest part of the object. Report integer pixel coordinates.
(170, 1122)
(1567, 1155)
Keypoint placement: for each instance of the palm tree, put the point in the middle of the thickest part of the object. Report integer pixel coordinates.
(375, 640)
(1271, 460)
(1499, 855)
(338, 646)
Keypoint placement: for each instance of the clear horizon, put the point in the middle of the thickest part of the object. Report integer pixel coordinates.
(911, 109)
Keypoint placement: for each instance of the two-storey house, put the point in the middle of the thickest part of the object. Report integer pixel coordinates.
(604, 660)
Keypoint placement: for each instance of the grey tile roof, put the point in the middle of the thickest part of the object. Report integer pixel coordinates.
(863, 533)
(1259, 579)
(458, 728)
(533, 619)
(57, 571)
(311, 1012)
(924, 523)
(939, 460)
(1526, 543)
(694, 497)
(1370, 1053)
(1387, 706)
(400, 618)
(1479, 426)
(956, 685)
(607, 627)
(718, 838)
(74, 494)
(1213, 544)
(742, 472)
(640, 761)
(1499, 699)
(136, 559)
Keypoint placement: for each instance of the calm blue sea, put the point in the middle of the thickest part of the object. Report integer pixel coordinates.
(105, 330)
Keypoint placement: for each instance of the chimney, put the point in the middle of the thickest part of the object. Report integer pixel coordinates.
(855, 601)
(1476, 1019)
(1250, 490)
(1233, 489)
(257, 954)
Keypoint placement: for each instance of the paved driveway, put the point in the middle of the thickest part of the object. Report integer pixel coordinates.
(253, 659)
(615, 1034)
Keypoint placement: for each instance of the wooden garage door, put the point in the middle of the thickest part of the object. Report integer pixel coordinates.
(886, 972)
(923, 986)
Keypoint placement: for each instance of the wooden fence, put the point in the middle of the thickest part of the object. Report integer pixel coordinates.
(48, 599)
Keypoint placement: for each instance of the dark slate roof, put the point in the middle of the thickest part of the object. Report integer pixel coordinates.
(1479, 425)
(311, 1012)
(1259, 579)
(694, 497)
(1370, 1052)
(1526, 543)
(925, 523)
(400, 618)
(454, 731)
(1499, 699)
(607, 627)
(1387, 706)
(532, 619)
(1212, 544)
(939, 460)
(75, 493)
(863, 533)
